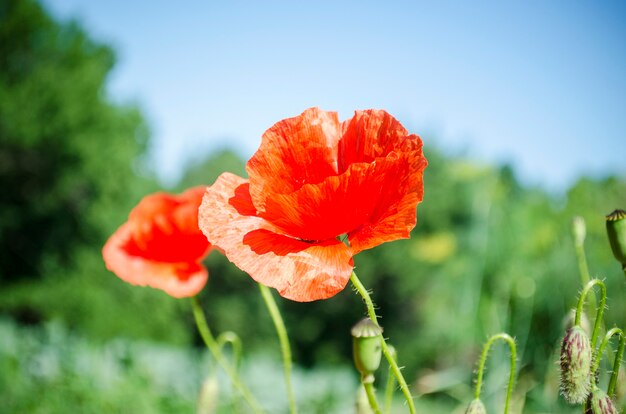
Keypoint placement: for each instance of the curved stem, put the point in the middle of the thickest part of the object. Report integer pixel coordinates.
(284, 343)
(616, 365)
(214, 348)
(481, 367)
(371, 395)
(618, 357)
(599, 310)
(386, 352)
(233, 339)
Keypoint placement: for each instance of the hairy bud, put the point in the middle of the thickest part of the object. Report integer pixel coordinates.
(601, 403)
(576, 359)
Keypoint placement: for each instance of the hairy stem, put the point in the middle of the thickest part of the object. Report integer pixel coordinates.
(481, 367)
(386, 352)
(618, 358)
(599, 310)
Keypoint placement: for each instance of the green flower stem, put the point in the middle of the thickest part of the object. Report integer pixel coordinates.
(600, 309)
(284, 343)
(583, 268)
(582, 263)
(371, 395)
(392, 363)
(233, 339)
(389, 391)
(618, 357)
(215, 350)
(481, 367)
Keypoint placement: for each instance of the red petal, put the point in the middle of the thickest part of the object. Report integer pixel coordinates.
(372, 196)
(372, 134)
(337, 205)
(294, 152)
(165, 227)
(395, 213)
(299, 270)
(176, 279)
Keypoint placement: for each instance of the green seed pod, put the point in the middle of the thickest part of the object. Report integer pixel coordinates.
(601, 403)
(366, 348)
(616, 230)
(476, 407)
(576, 359)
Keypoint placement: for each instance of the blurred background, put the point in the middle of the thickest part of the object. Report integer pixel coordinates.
(521, 108)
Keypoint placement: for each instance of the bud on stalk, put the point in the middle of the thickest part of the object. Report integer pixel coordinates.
(601, 403)
(616, 230)
(576, 356)
(366, 348)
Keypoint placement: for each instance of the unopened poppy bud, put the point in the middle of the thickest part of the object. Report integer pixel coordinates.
(366, 348)
(476, 407)
(601, 403)
(579, 230)
(616, 230)
(576, 359)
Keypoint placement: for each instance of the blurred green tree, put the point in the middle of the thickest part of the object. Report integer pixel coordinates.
(71, 168)
(66, 152)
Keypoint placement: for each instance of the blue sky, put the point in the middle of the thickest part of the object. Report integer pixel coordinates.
(541, 85)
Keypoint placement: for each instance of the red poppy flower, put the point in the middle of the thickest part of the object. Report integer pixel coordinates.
(161, 245)
(312, 180)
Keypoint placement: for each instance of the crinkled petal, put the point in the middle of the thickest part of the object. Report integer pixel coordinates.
(372, 197)
(294, 152)
(337, 205)
(395, 214)
(299, 270)
(177, 279)
(371, 134)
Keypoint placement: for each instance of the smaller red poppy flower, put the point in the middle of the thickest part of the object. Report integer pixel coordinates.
(161, 245)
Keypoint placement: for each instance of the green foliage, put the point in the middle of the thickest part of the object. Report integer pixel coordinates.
(49, 370)
(70, 171)
(64, 150)
(487, 255)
